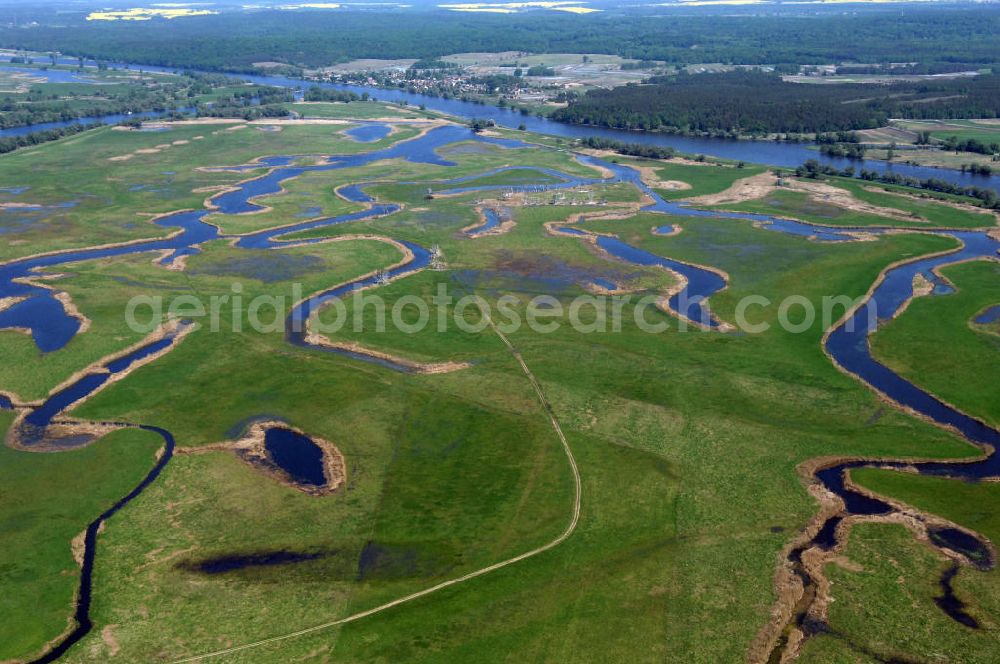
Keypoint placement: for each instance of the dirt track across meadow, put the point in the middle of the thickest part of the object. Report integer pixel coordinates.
(562, 537)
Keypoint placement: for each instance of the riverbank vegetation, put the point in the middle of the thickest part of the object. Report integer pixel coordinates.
(965, 374)
(149, 172)
(39, 570)
(895, 579)
(868, 599)
(11, 143)
(846, 202)
(356, 110)
(124, 92)
(43, 93)
(629, 149)
(701, 178)
(983, 196)
(675, 550)
(427, 525)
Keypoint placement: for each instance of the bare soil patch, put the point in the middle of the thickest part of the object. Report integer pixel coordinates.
(842, 198)
(412, 365)
(8, 302)
(506, 224)
(745, 189)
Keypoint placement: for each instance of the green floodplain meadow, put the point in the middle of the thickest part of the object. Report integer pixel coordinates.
(687, 442)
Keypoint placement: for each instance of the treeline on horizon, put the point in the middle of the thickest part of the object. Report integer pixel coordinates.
(748, 102)
(234, 41)
(910, 69)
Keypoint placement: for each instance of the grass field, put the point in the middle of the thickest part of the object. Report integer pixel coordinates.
(807, 207)
(896, 577)
(929, 210)
(702, 179)
(46, 501)
(358, 110)
(658, 427)
(114, 201)
(982, 131)
(892, 578)
(964, 375)
(686, 442)
(906, 132)
(934, 158)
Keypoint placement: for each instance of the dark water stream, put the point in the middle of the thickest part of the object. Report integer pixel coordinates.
(493, 220)
(232, 563)
(848, 345)
(84, 597)
(52, 327)
(32, 429)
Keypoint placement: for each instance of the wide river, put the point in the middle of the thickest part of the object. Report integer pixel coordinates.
(787, 155)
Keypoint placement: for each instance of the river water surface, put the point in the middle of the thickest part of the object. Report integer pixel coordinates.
(52, 327)
(786, 155)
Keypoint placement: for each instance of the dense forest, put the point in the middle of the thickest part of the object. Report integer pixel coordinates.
(203, 95)
(236, 40)
(754, 103)
(909, 69)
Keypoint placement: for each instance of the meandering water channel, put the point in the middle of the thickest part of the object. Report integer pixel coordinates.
(786, 155)
(51, 326)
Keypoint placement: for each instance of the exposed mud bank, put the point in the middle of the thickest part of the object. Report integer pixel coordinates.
(651, 179)
(685, 300)
(253, 449)
(8, 302)
(414, 366)
(44, 428)
(801, 584)
(492, 221)
(745, 189)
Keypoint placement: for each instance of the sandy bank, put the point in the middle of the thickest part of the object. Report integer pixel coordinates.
(650, 178)
(411, 365)
(64, 426)
(8, 302)
(680, 282)
(252, 450)
(675, 229)
(744, 189)
(505, 226)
